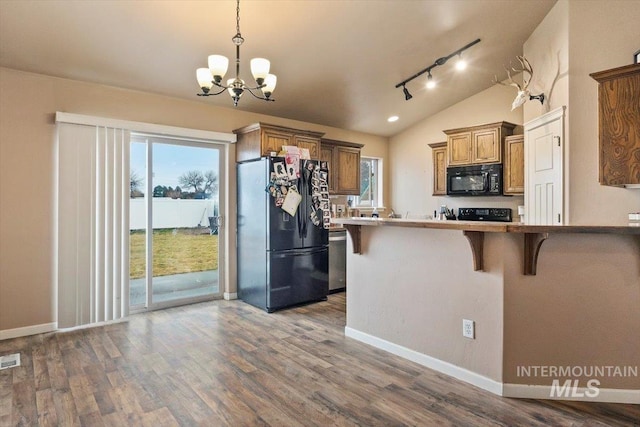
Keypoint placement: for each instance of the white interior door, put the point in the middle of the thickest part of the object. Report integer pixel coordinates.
(544, 157)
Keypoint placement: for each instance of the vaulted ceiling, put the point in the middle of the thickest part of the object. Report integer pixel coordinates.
(337, 62)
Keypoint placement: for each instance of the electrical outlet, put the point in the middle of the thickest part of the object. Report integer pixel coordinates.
(469, 329)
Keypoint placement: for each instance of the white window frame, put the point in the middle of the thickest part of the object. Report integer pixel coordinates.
(377, 202)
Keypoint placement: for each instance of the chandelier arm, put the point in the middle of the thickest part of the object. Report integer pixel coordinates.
(213, 94)
(221, 86)
(250, 90)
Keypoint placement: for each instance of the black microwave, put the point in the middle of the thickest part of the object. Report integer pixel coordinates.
(476, 180)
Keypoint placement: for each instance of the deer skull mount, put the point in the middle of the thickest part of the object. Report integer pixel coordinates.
(523, 91)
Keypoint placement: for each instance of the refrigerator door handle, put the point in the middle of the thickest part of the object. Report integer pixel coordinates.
(299, 213)
(305, 196)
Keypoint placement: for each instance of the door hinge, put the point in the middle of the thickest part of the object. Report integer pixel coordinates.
(557, 138)
(558, 218)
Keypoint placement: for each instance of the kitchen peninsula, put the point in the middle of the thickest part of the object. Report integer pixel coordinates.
(412, 283)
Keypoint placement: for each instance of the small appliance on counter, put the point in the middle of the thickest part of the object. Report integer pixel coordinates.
(484, 214)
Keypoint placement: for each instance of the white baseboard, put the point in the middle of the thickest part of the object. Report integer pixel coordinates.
(229, 296)
(608, 395)
(522, 391)
(7, 334)
(428, 361)
(94, 325)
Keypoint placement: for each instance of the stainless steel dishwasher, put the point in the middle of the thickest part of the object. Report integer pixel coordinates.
(337, 260)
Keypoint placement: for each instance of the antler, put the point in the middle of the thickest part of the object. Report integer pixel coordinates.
(526, 68)
(511, 82)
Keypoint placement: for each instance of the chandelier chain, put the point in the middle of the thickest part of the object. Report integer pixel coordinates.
(238, 17)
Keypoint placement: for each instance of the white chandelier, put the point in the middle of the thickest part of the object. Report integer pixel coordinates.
(218, 64)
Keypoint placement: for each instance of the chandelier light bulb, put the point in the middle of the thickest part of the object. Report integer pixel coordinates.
(205, 79)
(218, 65)
(260, 69)
(269, 85)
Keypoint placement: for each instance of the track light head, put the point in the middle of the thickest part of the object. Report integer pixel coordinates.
(407, 95)
(430, 82)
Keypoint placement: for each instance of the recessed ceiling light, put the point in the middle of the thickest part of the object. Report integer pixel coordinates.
(393, 119)
(461, 64)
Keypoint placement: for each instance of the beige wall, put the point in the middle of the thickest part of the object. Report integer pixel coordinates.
(27, 106)
(581, 309)
(413, 286)
(412, 162)
(575, 39)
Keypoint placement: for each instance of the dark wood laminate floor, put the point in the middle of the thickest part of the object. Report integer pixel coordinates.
(225, 363)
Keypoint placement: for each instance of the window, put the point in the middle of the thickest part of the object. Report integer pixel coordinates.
(370, 183)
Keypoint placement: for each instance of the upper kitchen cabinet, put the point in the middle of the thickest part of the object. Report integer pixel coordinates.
(261, 139)
(439, 154)
(513, 165)
(619, 125)
(343, 160)
(477, 144)
(326, 155)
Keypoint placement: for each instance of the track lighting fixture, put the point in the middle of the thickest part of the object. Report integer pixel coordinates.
(460, 65)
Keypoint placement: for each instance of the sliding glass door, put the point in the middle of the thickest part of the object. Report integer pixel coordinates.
(174, 221)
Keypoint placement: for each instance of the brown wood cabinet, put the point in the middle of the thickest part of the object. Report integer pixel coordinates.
(260, 139)
(619, 125)
(343, 161)
(439, 154)
(477, 144)
(513, 181)
(326, 155)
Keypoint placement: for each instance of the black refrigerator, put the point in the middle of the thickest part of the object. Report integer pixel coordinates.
(283, 258)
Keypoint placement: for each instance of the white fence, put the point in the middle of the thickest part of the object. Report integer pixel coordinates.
(172, 213)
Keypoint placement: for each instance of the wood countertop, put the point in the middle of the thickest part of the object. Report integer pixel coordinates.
(487, 226)
(534, 235)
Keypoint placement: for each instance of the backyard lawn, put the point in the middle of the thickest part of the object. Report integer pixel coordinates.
(180, 250)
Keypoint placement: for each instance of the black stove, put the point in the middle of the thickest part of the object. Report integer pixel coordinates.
(484, 214)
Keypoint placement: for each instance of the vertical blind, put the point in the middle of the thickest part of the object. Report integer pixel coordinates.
(92, 224)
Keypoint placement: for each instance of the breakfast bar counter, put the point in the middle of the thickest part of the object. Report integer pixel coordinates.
(412, 282)
(534, 235)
